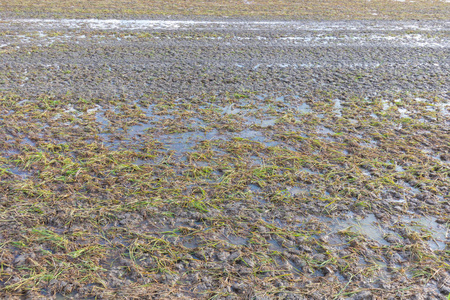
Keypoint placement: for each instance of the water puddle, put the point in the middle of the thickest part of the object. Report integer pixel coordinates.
(366, 172)
(100, 118)
(71, 110)
(275, 246)
(92, 110)
(324, 130)
(23, 174)
(230, 110)
(369, 144)
(435, 234)
(256, 160)
(254, 188)
(311, 27)
(185, 142)
(190, 243)
(444, 109)
(399, 169)
(417, 40)
(304, 108)
(403, 113)
(386, 104)
(309, 171)
(9, 153)
(235, 240)
(368, 226)
(262, 123)
(139, 129)
(256, 136)
(409, 188)
(27, 141)
(337, 108)
(296, 190)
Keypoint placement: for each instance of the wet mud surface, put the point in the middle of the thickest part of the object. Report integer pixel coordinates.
(299, 160)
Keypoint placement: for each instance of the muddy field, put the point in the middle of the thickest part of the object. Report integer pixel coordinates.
(265, 9)
(222, 159)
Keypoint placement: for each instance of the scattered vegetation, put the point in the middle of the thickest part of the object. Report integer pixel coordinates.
(191, 198)
(311, 9)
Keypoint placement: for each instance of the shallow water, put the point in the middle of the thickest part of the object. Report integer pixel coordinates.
(367, 226)
(373, 229)
(337, 109)
(24, 174)
(117, 24)
(296, 190)
(427, 225)
(304, 108)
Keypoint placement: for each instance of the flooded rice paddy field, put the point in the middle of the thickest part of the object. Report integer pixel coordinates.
(216, 160)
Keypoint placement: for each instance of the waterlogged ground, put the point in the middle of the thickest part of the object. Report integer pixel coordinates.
(256, 161)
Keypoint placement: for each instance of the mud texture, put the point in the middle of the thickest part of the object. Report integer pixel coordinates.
(218, 160)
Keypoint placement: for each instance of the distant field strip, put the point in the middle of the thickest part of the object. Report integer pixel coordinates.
(310, 9)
